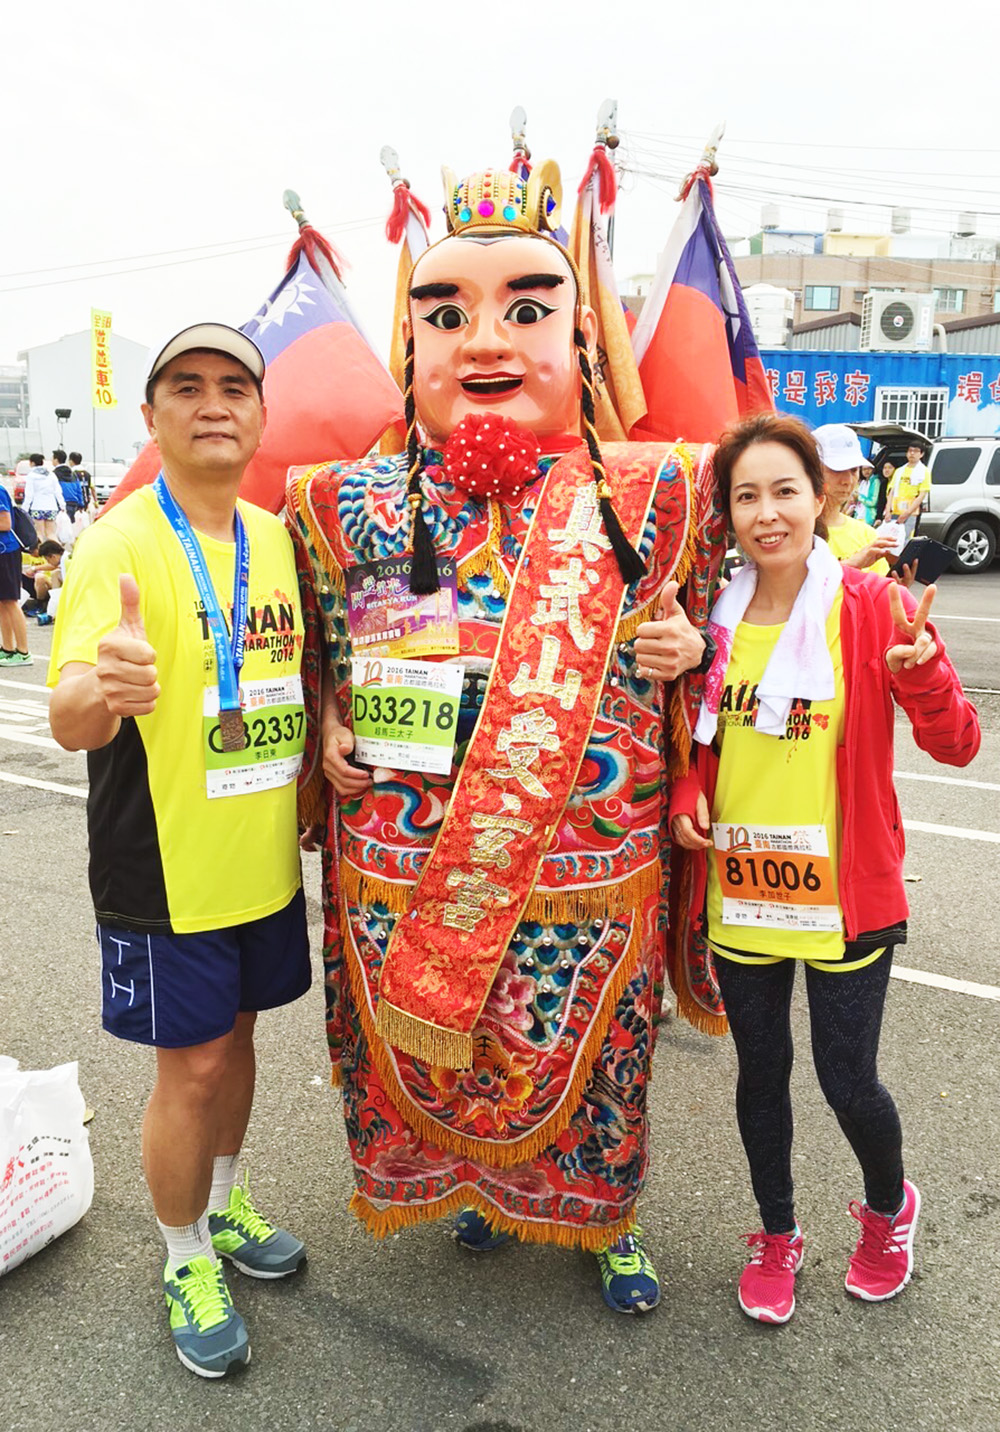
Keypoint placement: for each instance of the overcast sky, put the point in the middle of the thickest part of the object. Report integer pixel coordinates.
(141, 134)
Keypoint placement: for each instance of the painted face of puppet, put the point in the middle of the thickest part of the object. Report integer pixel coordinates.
(492, 324)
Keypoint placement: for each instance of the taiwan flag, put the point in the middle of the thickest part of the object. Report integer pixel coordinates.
(698, 358)
(328, 394)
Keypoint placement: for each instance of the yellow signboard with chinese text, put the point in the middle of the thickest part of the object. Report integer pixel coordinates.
(102, 381)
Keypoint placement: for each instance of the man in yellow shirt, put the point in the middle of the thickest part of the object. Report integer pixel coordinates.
(907, 490)
(176, 666)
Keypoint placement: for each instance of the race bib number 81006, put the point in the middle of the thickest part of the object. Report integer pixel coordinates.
(778, 876)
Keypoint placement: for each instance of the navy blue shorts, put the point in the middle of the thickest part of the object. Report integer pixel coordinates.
(179, 990)
(10, 576)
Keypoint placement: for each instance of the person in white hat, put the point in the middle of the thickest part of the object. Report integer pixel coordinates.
(193, 722)
(851, 540)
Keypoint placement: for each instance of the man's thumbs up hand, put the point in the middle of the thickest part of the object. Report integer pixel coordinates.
(126, 663)
(668, 603)
(669, 645)
(131, 621)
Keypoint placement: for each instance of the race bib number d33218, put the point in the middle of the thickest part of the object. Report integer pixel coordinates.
(405, 713)
(274, 737)
(776, 876)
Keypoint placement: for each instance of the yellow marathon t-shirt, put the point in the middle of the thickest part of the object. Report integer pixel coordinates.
(166, 856)
(849, 537)
(775, 820)
(904, 489)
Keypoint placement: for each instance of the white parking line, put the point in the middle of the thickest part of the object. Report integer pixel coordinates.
(43, 785)
(947, 781)
(10, 733)
(958, 831)
(24, 686)
(921, 977)
(942, 617)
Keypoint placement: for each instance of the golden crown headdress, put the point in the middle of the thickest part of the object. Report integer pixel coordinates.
(496, 200)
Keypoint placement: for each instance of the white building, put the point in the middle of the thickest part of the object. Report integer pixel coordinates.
(59, 376)
(772, 312)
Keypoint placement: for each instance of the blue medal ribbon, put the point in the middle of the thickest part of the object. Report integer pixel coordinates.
(228, 650)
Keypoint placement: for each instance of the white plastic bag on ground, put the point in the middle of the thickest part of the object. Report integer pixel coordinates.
(46, 1171)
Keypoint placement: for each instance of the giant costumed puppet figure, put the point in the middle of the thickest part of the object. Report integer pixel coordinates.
(495, 610)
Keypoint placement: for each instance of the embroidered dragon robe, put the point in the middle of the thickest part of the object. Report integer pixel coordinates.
(545, 1131)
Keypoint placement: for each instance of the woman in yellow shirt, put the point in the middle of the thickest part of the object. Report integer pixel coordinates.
(792, 820)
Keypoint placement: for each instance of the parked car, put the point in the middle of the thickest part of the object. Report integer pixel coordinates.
(963, 507)
(20, 473)
(107, 476)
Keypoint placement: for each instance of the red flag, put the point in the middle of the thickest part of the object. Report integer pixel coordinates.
(328, 394)
(698, 358)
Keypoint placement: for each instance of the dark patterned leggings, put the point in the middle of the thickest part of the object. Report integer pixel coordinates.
(845, 1016)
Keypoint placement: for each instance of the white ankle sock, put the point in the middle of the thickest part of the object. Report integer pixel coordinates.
(223, 1181)
(191, 1240)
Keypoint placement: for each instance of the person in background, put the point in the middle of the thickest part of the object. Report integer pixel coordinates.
(82, 478)
(44, 578)
(13, 627)
(850, 539)
(43, 498)
(790, 822)
(866, 507)
(886, 473)
(906, 493)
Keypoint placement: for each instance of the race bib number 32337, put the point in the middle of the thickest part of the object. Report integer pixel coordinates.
(274, 737)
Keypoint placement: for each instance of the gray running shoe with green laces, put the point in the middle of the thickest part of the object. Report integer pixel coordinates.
(240, 1234)
(628, 1279)
(209, 1335)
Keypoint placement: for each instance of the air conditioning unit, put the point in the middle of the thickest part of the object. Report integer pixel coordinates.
(897, 320)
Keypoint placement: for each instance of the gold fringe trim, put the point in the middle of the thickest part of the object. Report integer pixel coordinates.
(322, 551)
(430, 1043)
(336, 1076)
(628, 627)
(363, 889)
(688, 1007)
(495, 1155)
(486, 558)
(549, 907)
(380, 1223)
(311, 799)
(557, 907)
(679, 755)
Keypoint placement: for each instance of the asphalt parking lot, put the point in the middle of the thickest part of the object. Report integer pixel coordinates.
(413, 1335)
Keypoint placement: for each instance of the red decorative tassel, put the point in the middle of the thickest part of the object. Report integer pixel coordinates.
(607, 183)
(311, 242)
(403, 201)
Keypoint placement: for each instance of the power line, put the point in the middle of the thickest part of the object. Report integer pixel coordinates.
(173, 263)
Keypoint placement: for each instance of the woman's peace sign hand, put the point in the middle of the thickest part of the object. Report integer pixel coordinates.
(920, 646)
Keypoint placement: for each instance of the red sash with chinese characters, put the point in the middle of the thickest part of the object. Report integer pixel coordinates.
(520, 767)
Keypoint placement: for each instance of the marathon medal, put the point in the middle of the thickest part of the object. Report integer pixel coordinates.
(228, 650)
(231, 733)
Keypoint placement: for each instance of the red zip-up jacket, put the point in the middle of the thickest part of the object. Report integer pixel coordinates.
(945, 725)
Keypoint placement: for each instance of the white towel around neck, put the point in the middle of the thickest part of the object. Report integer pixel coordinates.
(800, 664)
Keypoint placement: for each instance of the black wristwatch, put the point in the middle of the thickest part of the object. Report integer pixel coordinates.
(707, 656)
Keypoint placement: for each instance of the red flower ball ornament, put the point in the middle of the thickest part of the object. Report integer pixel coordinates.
(490, 457)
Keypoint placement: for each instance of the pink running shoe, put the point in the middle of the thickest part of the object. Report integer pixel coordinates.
(881, 1264)
(767, 1284)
